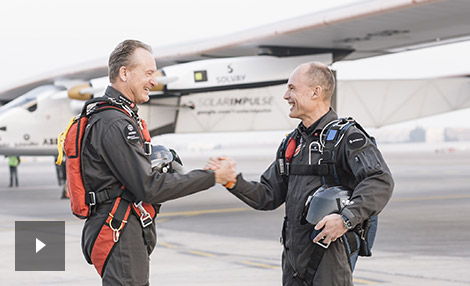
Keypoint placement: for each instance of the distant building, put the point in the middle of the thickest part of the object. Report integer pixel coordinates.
(418, 135)
(435, 135)
(457, 134)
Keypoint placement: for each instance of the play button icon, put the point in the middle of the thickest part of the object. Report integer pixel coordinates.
(39, 245)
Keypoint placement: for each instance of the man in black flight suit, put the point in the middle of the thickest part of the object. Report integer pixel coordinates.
(360, 167)
(113, 157)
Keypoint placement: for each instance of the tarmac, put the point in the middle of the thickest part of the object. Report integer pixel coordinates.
(188, 258)
(230, 251)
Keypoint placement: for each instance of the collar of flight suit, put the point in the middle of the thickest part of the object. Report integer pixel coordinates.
(315, 129)
(111, 92)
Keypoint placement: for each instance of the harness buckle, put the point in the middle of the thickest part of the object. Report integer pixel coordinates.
(116, 231)
(361, 233)
(145, 217)
(281, 166)
(115, 235)
(92, 198)
(148, 148)
(320, 149)
(146, 220)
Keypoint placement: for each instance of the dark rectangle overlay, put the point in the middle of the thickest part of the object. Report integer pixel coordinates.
(39, 245)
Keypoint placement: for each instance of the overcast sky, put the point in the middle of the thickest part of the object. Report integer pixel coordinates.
(38, 37)
(44, 36)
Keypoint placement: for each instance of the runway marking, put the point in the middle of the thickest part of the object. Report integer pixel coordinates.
(167, 245)
(359, 281)
(201, 253)
(200, 212)
(363, 281)
(430, 198)
(260, 265)
(195, 252)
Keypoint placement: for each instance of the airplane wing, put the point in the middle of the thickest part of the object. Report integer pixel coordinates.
(360, 30)
(376, 103)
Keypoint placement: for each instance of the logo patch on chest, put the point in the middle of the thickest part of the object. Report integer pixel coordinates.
(130, 133)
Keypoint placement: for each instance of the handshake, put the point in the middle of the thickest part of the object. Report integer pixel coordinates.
(224, 169)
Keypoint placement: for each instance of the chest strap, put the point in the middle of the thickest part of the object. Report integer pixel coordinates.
(105, 195)
(309, 170)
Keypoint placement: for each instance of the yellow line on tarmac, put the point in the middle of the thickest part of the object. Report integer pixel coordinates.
(196, 252)
(200, 212)
(261, 265)
(201, 253)
(362, 281)
(430, 198)
(167, 245)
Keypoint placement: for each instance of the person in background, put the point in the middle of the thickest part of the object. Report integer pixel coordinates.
(13, 162)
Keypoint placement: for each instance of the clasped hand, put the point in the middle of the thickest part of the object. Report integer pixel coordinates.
(224, 169)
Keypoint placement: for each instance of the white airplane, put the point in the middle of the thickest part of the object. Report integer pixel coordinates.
(236, 82)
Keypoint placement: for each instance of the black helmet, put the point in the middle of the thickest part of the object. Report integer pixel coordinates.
(326, 200)
(165, 160)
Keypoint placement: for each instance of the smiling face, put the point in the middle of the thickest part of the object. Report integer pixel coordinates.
(138, 77)
(299, 94)
(305, 98)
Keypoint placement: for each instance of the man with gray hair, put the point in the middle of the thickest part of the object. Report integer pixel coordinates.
(318, 254)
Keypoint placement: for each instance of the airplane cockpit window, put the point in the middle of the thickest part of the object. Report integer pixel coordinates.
(29, 99)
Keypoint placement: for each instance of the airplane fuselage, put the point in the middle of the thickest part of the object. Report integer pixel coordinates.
(231, 94)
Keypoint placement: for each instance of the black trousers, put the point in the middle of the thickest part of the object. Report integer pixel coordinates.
(13, 176)
(334, 269)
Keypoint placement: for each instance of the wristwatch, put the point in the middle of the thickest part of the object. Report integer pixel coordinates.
(347, 224)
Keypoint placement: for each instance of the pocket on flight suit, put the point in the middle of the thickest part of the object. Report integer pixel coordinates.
(366, 163)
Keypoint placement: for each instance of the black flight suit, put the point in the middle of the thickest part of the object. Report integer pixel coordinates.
(113, 156)
(360, 167)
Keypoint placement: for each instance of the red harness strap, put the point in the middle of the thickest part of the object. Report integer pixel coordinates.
(291, 144)
(145, 132)
(146, 212)
(112, 228)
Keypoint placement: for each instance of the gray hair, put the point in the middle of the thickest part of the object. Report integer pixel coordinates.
(320, 74)
(121, 56)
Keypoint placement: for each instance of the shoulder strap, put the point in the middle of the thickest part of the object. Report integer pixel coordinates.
(330, 138)
(286, 151)
(106, 104)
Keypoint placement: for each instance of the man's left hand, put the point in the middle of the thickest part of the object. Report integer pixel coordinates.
(333, 228)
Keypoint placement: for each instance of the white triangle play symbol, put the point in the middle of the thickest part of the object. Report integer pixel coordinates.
(39, 245)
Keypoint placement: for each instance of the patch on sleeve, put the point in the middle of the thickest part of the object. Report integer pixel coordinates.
(356, 140)
(130, 132)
